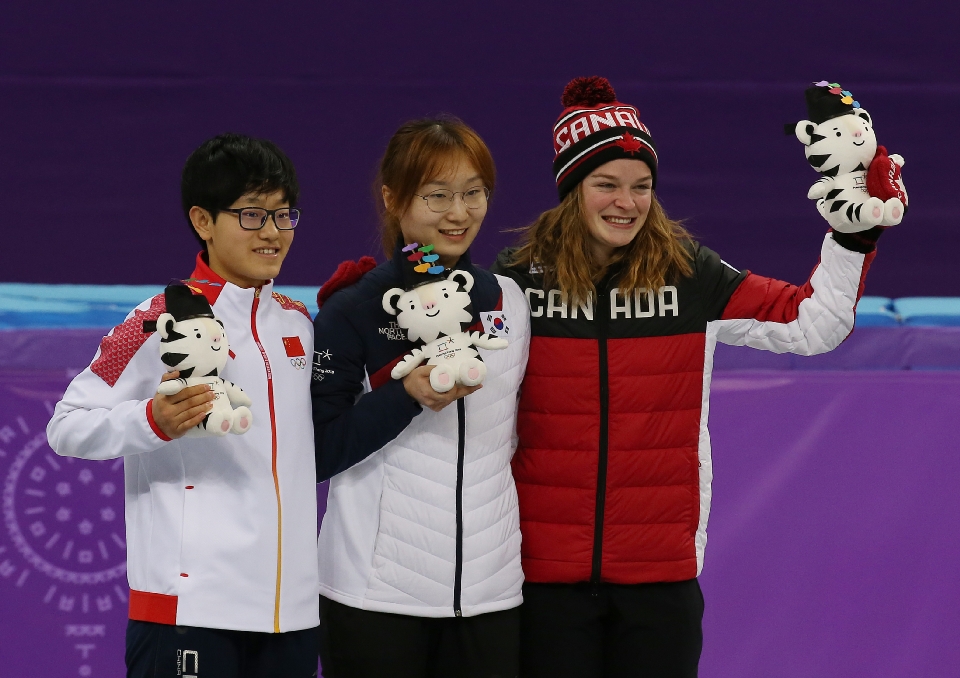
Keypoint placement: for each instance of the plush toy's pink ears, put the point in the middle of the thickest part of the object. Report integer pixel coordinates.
(346, 274)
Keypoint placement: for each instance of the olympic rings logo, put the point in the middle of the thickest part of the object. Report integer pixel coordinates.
(299, 363)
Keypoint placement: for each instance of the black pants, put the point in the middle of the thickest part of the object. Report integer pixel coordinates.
(358, 643)
(162, 650)
(611, 631)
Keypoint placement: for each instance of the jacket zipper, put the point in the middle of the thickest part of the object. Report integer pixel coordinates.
(603, 310)
(273, 460)
(461, 439)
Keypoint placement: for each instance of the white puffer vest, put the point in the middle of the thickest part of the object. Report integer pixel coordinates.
(429, 524)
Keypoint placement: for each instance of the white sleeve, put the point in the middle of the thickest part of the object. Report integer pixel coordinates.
(103, 413)
(813, 318)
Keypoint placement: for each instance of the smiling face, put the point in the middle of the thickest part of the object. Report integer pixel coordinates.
(616, 201)
(843, 144)
(244, 258)
(197, 347)
(433, 309)
(450, 232)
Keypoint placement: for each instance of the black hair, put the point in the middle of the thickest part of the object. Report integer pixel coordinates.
(231, 165)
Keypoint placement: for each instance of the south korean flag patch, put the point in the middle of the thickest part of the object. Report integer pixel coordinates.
(495, 324)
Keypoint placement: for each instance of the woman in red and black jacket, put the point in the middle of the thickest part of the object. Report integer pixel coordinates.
(613, 467)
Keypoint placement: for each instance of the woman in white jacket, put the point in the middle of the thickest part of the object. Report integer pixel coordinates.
(420, 546)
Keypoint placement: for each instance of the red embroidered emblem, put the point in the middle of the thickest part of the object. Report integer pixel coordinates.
(293, 347)
(629, 143)
(289, 304)
(119, 347)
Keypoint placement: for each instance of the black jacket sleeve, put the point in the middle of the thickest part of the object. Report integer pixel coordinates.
(717, 280)
(350, 425)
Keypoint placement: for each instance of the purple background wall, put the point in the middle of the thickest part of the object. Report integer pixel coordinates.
(101, 103)
(831, 525)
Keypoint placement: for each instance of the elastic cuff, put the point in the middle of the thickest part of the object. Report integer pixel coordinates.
(864, 242)
(153, 424)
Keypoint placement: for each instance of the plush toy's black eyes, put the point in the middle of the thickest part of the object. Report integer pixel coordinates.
(446, 296)
(198, 335)
(839, 135)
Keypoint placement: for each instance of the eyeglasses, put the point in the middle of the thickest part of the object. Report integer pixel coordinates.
(441, 201)
(255, 218)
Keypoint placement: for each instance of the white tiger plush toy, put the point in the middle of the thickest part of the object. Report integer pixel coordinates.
(194, 342)
(840, 143)
(436, 313)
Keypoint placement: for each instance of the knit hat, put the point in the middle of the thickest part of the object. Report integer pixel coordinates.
(825, 101)
(594, 129)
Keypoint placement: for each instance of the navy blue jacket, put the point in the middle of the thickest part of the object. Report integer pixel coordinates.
(356, 340)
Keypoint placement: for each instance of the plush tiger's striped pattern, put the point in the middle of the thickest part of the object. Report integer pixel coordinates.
(198, 348)
(841, 149)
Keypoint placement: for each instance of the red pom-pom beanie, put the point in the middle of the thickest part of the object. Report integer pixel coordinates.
(594, 129)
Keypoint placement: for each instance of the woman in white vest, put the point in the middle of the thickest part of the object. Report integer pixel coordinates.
(419, 549)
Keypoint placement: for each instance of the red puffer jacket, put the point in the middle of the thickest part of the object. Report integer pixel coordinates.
(613, 467)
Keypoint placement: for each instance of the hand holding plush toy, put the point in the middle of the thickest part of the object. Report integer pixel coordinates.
(435, 310)
(861, 185)
(194, 342)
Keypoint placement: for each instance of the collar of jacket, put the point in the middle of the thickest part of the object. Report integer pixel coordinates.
(611, 276)
(211, 285)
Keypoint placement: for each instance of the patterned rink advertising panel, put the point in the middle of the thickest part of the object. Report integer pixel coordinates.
(63, 578)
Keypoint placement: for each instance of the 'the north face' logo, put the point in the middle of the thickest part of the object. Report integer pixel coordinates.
(393, 331)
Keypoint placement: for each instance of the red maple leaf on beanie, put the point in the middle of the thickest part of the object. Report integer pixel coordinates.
(629, 143)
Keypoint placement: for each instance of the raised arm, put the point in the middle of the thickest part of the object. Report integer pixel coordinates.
(813, 318)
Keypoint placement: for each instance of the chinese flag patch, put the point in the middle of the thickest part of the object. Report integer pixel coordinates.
(293, 347)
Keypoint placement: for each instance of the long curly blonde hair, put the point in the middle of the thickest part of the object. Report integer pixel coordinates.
(559, 243)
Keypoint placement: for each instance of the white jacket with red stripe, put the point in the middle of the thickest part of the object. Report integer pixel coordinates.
(221, 531)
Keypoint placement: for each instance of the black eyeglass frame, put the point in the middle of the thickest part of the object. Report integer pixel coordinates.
(425, 198)
(269, 214)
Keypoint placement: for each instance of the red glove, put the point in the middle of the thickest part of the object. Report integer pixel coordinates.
(883, 178)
